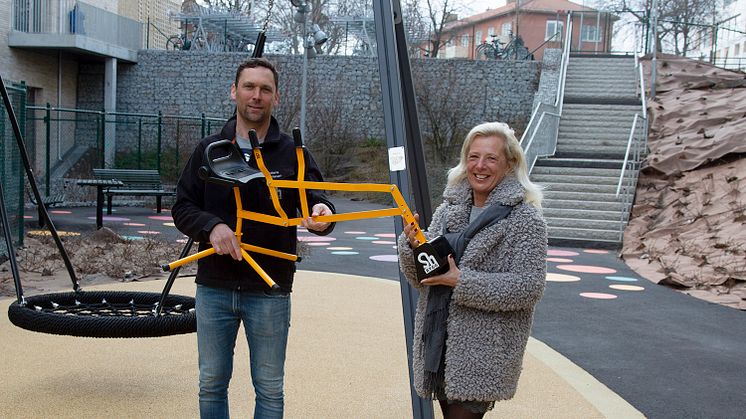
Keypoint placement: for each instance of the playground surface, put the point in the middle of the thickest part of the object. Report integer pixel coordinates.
(605, 342)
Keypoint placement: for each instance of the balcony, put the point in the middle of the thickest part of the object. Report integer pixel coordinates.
(75, 27)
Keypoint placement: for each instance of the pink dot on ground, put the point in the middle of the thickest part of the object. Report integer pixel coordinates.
(554, 252)
(135, 224)
(598, 295)
(559, 260)
(148, 232)
(27, 216)
(596, 251)
(161, 217)
(318, 244)
(586, 269)
(169, 224)
(110, 218)
(354, 232)
(182, 240)
(315, 239)
(339, 248)
(385, 258)
(386, 235)
(622, 287)
(553, 277)
(383, 242)
(60, 212)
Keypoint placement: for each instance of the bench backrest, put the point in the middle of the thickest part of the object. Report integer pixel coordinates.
(132, 178)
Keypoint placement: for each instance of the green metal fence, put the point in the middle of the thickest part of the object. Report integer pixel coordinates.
(11, 166)
(78, 140)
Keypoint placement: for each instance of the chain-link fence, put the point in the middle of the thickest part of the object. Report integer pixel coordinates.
(71, 142)
(11, 167)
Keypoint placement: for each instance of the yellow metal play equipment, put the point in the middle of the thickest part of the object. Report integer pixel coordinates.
(230, 169)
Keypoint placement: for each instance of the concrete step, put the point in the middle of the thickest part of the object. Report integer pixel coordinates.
(577, 163)
(577, 187)
(580, 172)
(590, 153)
(582, 109)
(582, 214)
(580, 196)
(583, 205)
(596, 119)
(619, 142)
(563, 233)
(554, 179)
(613, 134)
(582, 224)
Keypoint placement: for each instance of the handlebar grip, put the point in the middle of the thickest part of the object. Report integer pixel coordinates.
(297, 137)
(253, 139)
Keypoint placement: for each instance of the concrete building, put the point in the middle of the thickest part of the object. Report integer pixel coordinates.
(539, 23)
(729, 48)
(43, 43)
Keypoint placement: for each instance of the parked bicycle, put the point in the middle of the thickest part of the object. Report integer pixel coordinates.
(515, 49)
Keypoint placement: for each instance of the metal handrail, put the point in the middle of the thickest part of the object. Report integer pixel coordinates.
(626, 153)
(555, 111)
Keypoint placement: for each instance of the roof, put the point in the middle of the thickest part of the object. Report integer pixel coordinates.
(540, 6)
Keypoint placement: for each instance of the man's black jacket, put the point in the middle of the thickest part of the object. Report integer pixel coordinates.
(201, 205)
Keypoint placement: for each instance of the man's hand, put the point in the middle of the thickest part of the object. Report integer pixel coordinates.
(449, 278)
(318, 209)
(224, 241)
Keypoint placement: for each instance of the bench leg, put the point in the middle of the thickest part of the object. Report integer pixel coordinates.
(108, 204)
(158, 204)
(41, 216)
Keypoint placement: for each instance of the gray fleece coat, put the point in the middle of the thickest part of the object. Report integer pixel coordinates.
(503, 272)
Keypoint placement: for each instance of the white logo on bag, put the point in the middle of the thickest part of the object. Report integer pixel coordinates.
(429, 263)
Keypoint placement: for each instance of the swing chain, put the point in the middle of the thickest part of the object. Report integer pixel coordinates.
(269, 14)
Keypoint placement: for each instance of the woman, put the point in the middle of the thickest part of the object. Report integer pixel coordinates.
(491, 294)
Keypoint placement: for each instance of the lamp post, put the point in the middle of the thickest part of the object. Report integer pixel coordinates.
(310, 40)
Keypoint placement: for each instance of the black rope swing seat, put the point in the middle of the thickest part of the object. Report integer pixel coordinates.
(102, 314)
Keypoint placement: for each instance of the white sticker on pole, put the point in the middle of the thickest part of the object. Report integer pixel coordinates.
(397, 161)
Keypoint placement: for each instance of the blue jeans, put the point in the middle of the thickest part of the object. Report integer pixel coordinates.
(266, 319)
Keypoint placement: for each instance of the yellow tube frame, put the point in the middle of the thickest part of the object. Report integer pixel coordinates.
(282, 219)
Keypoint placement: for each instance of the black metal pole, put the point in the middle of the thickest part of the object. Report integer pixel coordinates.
(9, 245)
(172, 277)
(398, 114)
(34, 186)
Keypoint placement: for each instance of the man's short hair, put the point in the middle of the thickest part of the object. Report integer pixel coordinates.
(258, 62)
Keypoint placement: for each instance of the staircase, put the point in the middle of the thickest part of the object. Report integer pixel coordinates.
(600, 103)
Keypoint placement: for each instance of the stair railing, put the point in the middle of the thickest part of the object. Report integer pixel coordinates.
(540, 137)
(636, 149)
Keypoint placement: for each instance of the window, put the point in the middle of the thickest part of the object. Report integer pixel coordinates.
(737, 50)
(590, 33)
(507, 29)
(490, 31)
(465, 40)
(478, 37)
(554, 30)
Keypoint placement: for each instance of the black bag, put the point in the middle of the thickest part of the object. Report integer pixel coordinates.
(431, 258)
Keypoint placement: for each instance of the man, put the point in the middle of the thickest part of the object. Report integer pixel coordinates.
(229, 291)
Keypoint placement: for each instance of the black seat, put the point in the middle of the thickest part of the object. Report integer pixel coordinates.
(226, 165)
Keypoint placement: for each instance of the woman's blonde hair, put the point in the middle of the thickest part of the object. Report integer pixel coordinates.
(513, 153)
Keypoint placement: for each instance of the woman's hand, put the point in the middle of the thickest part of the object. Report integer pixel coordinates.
(411, 230)
(449, 278)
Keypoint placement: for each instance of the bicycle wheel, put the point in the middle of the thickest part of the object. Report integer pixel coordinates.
(175, 42)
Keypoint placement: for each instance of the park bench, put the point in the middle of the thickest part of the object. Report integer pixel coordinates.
(134, 183)
(47, 201)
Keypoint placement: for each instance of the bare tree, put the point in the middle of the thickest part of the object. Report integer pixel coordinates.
(241, 6)
(438, 14)
(678, 20)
